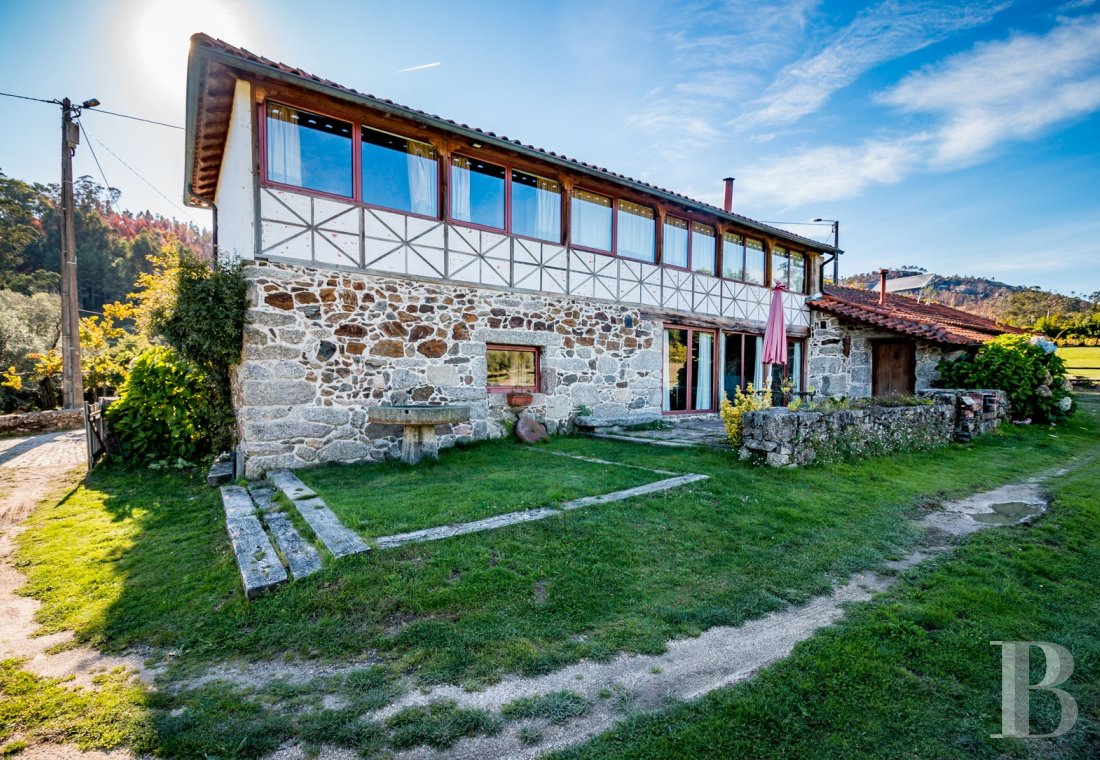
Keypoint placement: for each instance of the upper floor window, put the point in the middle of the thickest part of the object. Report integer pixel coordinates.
(591, 220)
(789, 268)
(637, 232)
(675, 242)
(400, 174)
(536, 207)
(477, 192)
(702, 248)
(308, 150)
(742, 259)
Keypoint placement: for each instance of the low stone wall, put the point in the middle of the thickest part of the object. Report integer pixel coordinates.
(32, 423)
(976, 411)
(789, 439)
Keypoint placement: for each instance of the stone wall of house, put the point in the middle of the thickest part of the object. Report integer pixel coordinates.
(32, 423)
(321, 346)
(788, 439)
(840, 357)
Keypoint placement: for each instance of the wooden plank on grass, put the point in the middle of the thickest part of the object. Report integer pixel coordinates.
(337, 538)
(301, 558)
(259, 564)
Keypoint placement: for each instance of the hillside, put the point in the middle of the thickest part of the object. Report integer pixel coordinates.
(1011, 304)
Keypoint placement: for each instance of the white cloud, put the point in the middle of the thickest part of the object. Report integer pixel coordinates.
(997, 92)
(878, 34)
(1006, 90)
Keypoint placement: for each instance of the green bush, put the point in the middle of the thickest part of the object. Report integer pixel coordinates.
(168, 409)
(1033, 377)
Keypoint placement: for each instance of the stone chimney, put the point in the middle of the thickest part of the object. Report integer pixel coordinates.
(727, 204)
(882, 285)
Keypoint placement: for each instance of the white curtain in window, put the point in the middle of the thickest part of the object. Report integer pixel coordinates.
(422, 178)
(666, 403)
(635, 236)
(758, 370)
(460, 189)
(591, 225)
(794, 368)
(284, 147)
(548, 210)
(705, 372)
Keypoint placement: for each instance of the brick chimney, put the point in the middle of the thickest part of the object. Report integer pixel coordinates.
(882, 285)
(727, 204)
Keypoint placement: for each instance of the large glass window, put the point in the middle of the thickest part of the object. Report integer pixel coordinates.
(789, 268)
(308, 150)
(754, 261)
(740, 367)
(637, 232)
(477, 192)
(674, 244)
(780, 266)
(399, 173)
(689, 370)
(512, 368)
(591, 220)
(798, 273)
(536, 207)
(702, 248)
(733, 256)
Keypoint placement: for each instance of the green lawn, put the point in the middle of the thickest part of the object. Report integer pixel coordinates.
(1081, 361)
(137, 559)
(470, 483)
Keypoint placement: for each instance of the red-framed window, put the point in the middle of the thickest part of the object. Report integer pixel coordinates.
(512, 368)
(689, 245)
(501, 198)
(789, 269)
(689, 370)
(743, 258)
(607, 224)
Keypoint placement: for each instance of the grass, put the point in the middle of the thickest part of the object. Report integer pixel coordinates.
(914, 674)
(1081, 361)
(555, 707)
(466, 484)
(134, 560)
(438, 725)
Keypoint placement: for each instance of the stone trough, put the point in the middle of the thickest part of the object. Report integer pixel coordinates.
(419, 423)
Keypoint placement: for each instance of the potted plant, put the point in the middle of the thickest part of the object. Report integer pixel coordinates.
(520, 398)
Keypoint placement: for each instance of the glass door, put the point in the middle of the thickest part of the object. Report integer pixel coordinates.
(689, 370)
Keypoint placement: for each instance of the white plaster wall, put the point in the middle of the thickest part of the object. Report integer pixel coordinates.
(236, 184)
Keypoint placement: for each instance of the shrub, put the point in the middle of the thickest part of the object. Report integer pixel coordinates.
(743, 402)
(1033, 376)
(168, 409)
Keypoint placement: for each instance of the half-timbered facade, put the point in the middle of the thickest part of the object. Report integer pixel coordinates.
(397, 257)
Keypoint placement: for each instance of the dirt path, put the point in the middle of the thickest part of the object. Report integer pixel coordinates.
(31, 470)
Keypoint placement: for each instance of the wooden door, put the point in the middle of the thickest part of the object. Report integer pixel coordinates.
(893, 367)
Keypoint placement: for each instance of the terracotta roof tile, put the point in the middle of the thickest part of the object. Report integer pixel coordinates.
(928, 321)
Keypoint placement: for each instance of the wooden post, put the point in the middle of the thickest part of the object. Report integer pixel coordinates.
(72, 379)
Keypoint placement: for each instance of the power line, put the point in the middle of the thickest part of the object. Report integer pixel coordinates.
(136, 118)
(147, 182)
(25, 97)
(100, 167)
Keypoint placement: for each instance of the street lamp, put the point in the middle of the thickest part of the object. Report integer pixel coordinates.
(836, 245)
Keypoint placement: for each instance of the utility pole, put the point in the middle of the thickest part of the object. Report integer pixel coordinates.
(72, 377)
(73, 380)
(836, 254)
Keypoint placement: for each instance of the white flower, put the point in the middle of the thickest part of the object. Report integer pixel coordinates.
(1043, 391)
(1047, 345)
(1065, 404)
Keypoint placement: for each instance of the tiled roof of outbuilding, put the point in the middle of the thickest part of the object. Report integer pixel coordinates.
(204, 157)
(901, 314)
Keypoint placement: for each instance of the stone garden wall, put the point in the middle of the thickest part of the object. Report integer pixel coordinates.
(785, 438)
(32, 423)
(322, 346)
(840, 357)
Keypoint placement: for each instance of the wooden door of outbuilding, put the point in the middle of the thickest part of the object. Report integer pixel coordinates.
(893, 367)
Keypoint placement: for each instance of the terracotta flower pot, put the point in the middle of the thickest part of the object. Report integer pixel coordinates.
(519, 398)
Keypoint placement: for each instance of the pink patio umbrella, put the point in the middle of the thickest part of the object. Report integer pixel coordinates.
(775, 334)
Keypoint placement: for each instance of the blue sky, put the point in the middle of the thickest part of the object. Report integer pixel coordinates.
(961, 137)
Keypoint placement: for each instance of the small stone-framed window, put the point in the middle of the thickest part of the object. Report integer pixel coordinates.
(512, 368)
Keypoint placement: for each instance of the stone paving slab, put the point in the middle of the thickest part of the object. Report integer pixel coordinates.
(287, 482)
(237, 502)
(263, 495)
(337, 538)
(220, 473)
(301, 557)
(629, 493)
(260, 567)
(459, 529)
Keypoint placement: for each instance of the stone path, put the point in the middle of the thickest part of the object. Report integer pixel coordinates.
(706, 431)
(259, 564)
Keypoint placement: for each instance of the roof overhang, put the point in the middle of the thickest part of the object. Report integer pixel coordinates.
(211, 58)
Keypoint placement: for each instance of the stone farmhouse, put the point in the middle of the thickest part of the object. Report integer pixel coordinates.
(395, 257)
